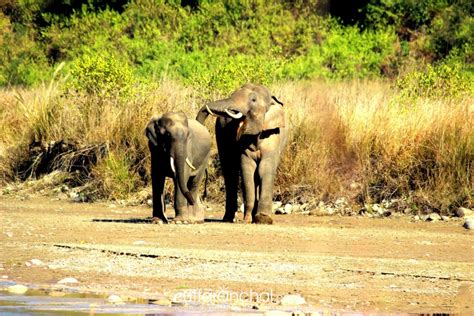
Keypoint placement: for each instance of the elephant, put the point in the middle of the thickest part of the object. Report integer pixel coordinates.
(251, 133)
(180, 150)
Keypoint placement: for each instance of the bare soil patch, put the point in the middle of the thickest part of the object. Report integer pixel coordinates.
(335, 263)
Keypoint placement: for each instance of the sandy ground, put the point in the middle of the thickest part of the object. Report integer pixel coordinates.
(335, 263)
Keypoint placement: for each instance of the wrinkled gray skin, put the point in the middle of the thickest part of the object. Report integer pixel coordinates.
(180, 150)
(251, 133)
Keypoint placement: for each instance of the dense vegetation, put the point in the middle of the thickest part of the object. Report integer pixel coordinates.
(389, 83)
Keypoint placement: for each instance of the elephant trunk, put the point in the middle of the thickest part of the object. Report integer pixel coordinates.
(225, 107)
(180, 166)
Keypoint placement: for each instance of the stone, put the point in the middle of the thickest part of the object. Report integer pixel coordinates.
(463, 212)
(276, 205)
(17, 289)
(115, 299)
(68, 280)
(288, 208)
(433, 217)
(416, 218)
(292, 300)
(277, 313)
(149, 202)
(161, 302)
(469, 223)
(36, 262)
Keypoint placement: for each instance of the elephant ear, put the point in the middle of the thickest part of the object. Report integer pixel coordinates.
(274, 119)
(150, 131)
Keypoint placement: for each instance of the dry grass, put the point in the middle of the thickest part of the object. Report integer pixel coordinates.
(357, 139)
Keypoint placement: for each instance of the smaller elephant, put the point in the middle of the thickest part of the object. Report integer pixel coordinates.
(179, 149)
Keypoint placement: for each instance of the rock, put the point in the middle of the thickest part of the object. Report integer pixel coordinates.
(139, 242)
(115, 299)
(36, 262)
(161, 302)
(277, 313)
(433, 217)
(276, 205)
(407, 210)
(445, 218)
(469, 223)
(17, 289)
(463, 212)
(416, 218)
(292, 300)
(288, 208)
(68, 280)
(149, 202)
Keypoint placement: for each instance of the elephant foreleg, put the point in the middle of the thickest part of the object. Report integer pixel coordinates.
(197, 209)
(157, 185)
(249, 167)
(180, 203)
(266, 173)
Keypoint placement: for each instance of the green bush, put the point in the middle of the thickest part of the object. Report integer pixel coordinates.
(345, 53)
(445, 80)
(102, 75)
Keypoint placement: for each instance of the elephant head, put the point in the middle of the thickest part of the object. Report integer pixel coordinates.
(249, 105)
(170, 135)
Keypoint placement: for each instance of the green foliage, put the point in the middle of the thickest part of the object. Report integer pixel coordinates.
(345, 53)
(224, 43)
(446, 80)
(102, 75)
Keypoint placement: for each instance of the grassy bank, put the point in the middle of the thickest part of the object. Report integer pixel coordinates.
(364, 140)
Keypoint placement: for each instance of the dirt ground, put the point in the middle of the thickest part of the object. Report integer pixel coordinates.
(336, 263)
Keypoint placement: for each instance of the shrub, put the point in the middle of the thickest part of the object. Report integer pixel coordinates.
(445, 80)
(102, 75)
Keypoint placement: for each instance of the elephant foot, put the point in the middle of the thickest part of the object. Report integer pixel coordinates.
(158, 220)
(248, 219)
(181, 219)
(262, 218)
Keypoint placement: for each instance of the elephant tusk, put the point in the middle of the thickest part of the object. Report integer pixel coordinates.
(209, 110)
(190, 164)
(233, 115)
(172, 165)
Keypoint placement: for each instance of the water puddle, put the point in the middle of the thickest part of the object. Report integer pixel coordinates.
(60, 302)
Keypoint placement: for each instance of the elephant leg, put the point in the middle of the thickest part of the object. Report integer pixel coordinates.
(198, 208)
(248, 187)
(266, 173)
(180, 204)
(229, 157)
(157, 186)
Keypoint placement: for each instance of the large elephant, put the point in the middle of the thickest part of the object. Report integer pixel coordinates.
(179, 149)
(251, 132)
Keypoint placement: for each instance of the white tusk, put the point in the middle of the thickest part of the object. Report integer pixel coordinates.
(209, 110)
(172, 165)
(235, 116)
(190, 164)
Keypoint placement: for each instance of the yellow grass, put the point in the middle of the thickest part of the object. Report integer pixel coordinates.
(358, 139)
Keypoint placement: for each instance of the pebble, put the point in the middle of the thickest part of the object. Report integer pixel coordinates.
(277, 313)
(140, 242)
(433, 217)
(68, 280)
(292, 300)
(161, 302)
(149, 202)
(115, 299)
(17, 289)
(469, 224)
(463, 212)
(36, 262)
